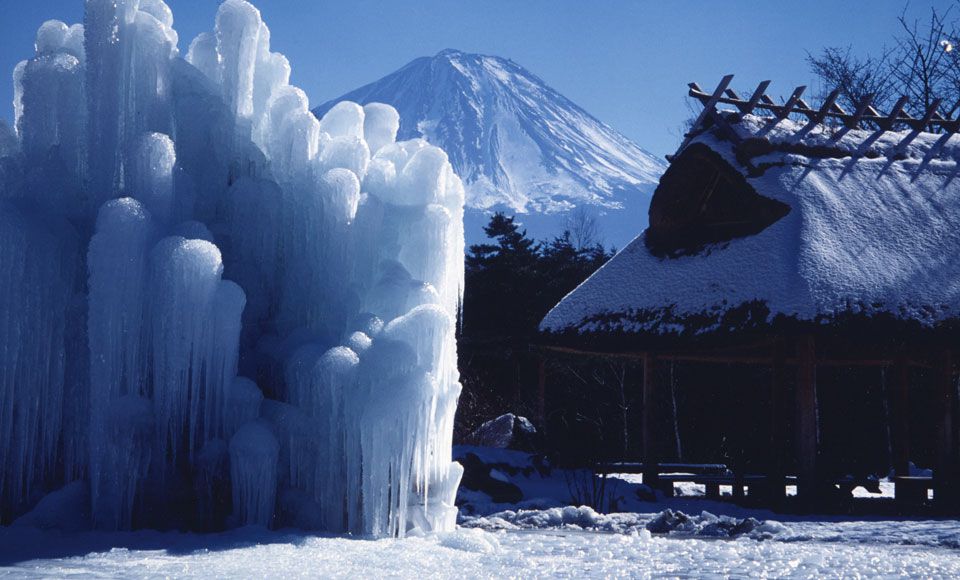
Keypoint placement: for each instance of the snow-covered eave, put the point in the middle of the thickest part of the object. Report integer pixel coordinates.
(825, 141)
(667, 329)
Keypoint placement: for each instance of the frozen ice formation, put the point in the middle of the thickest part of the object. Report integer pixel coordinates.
(216, 309)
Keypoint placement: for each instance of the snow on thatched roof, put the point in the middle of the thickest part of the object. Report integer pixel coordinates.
(870, 224)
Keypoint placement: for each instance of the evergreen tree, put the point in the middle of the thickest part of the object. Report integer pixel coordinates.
(501, 282)
(511, 283)
(513, 280)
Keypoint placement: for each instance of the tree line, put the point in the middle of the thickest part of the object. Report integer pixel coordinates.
(512, 281)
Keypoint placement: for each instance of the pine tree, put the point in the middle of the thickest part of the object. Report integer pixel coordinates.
(501, 278)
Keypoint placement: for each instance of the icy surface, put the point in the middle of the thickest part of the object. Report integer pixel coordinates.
(828, 255)
(215, 308)
(473, 554)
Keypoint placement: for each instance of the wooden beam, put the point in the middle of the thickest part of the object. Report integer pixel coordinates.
(945, 490)
(920, 125)
(854, 121)
(708, 106)
(896, 114)
(864, 111)
(899, 404)
(806, 110)
(733, 356)
(826, 107)
(776, 488)
(807, 428)
(791, 103)
(542, 393)
(748, 107)
(651, 471)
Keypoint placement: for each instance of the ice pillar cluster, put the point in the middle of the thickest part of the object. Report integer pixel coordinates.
(215, 308)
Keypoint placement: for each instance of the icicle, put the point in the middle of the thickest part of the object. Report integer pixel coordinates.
(124, 455)
(117, 265)
(48, 88)
(238, 34)
(37, 262)
(241, 404)
(185, 276)
(149, 175)
(253, 472)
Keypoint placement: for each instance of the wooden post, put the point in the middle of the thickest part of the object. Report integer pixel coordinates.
(739, 483)
(542, 393)
(776, 487)
(807, 429)
(900, 407)
(651, 471)
(945, 474)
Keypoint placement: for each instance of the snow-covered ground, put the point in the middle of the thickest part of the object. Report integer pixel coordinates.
(541, 536)
(465, 553)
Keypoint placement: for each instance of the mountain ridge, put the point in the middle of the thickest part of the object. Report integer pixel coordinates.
(519, 145)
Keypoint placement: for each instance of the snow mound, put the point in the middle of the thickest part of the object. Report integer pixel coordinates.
(470, 540)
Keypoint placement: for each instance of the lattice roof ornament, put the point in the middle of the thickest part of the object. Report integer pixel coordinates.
(865, 116)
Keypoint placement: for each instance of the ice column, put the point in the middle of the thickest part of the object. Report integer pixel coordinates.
(38, 259)
(121, 421)
(253, 470)
(224, 231)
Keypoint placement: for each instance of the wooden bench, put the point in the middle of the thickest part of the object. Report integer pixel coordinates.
(714, 475)
(691, 468)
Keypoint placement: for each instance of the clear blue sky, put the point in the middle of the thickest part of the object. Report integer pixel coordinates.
(626, 62)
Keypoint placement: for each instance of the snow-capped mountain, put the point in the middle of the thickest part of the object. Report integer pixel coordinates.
(519, 145)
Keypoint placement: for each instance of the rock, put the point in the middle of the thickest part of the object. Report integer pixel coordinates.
(709, 525)
(506, 432)
(668, 521)
(477, 476)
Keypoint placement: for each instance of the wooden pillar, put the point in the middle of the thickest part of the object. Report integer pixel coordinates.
(739, 483)
(899, 406)
(807, 428)
(542, 393)
(776, 487)
(945, 473)
(651, 468)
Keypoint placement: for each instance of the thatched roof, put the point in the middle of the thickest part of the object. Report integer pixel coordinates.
(761, 223)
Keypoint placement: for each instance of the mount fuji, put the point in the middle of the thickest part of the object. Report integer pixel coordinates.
(519, 145)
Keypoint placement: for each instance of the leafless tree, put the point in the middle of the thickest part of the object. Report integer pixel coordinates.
(583, 227)
(856, 77)
(593, 487)
(924, 65)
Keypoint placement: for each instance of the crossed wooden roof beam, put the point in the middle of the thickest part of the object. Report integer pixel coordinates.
(864, 116)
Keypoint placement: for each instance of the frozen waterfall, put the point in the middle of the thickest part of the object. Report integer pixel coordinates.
(215, 308)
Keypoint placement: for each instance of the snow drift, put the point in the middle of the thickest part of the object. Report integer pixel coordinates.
(213, 304)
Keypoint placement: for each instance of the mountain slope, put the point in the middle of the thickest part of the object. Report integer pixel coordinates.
(518, 144)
